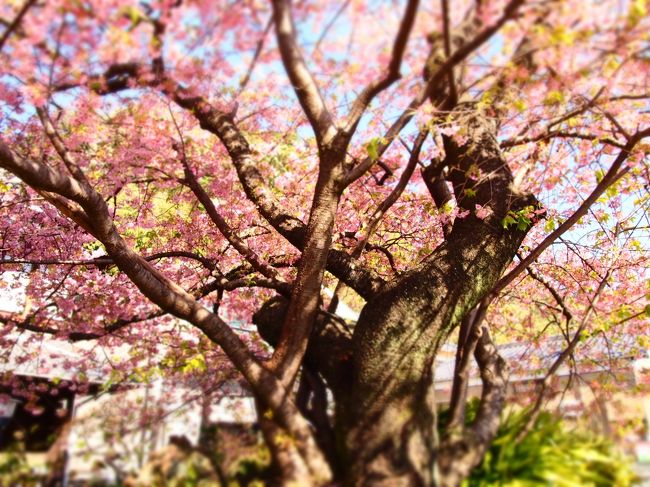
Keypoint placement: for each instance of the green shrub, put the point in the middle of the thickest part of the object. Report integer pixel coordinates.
(14, 467)
(551, 454)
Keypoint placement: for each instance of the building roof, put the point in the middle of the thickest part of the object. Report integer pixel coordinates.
(51, 358)
(530, 360)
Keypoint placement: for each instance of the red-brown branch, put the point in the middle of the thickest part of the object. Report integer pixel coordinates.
(433, 84)
(303, 82)
(393, 72)
(16, 22)
(612, 175)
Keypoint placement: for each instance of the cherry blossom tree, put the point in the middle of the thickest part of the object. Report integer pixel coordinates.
(462, 173)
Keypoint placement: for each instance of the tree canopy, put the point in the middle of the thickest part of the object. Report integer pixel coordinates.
(462, 173)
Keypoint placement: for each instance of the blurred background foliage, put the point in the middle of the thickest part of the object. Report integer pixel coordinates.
(551, 453)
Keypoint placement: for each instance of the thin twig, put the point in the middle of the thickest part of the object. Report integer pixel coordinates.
(16, 22)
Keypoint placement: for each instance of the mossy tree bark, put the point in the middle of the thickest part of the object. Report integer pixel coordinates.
(381, 375)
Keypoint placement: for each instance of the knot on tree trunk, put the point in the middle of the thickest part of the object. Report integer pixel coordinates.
(330, 345)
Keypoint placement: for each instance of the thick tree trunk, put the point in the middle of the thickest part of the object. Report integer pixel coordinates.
(388, 431)
(385, 421)
(389, 428)
(382, 377)
(385, 408)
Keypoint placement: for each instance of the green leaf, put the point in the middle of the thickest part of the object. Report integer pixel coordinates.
(373, 149)
(520, 105)
(195, 363)
(554, 98)
(134, 15)
(508, 220)
(611, 191)
(563, 36)
(549, 226)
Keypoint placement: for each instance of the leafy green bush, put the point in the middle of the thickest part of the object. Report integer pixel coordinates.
(550, 454)
(14, 467)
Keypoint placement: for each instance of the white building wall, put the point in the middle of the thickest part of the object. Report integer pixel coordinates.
(117, 432)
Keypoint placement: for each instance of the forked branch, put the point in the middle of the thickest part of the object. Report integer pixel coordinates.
(303, 82)
(612, 176)
(434, 83)
(393, 72)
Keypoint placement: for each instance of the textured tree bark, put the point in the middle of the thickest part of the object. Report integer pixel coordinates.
(391, 411)
(385, 411)
(305, 296)
(382, 376)
(388, 429)
(380, 372)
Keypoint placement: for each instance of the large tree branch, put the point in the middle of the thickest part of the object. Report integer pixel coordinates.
(446, 32)
(494, 378)
(303, 82)
(612, 175)
(434, 179)
(306, 293)
(433, 84)
(294, 230)
(459, 455)
(468, 337)
(116, 78)
(171, 298)
(392, 74)
(67, 208)
(43, 177)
